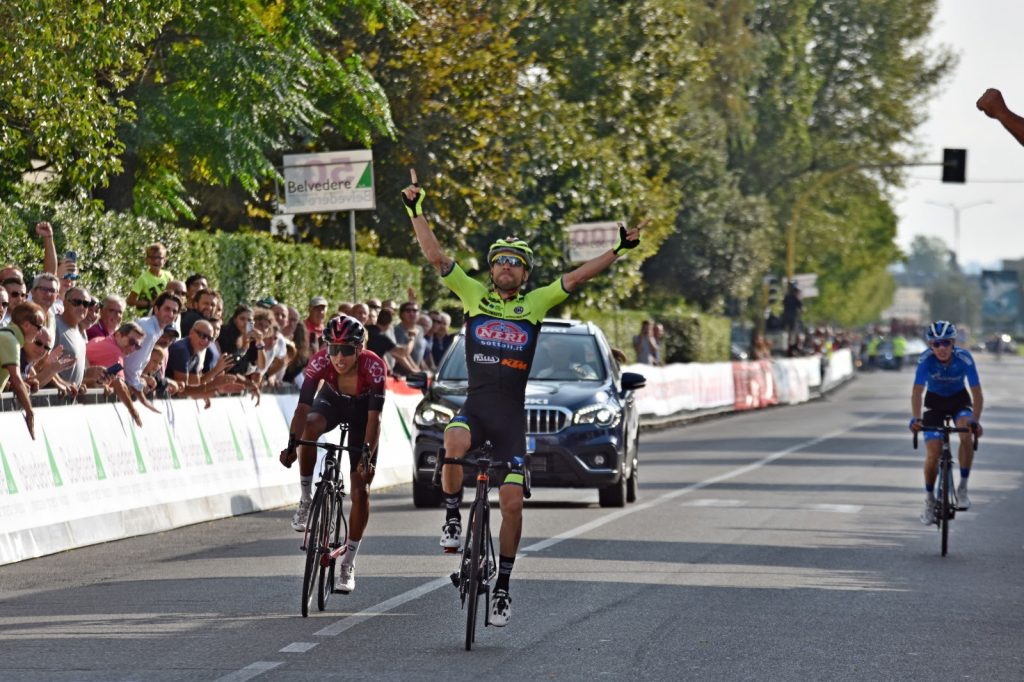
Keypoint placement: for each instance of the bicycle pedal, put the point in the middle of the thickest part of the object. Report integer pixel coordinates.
(454, 577)
(451, 550)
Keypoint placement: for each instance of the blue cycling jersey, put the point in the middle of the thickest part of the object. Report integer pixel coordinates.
(946, 379)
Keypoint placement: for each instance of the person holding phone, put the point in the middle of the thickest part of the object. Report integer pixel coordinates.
(502, 329)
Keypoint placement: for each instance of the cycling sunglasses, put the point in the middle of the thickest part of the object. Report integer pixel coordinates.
(942, 343)
(346, 349)
(508, 259)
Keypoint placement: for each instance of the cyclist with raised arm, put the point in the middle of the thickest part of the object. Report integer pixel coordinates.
(942, 371)
(352, 392)
(502, 328)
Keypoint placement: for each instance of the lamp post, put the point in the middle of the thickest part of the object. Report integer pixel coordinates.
(956, 220)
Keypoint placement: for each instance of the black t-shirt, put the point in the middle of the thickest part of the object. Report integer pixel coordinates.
(377, 341)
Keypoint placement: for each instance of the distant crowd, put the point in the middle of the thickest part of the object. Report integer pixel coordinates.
(170, 337)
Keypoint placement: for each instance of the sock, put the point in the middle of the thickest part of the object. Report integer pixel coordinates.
(964, 474)
(306, 484)
(504, 571)
(451, 503)
(929, 489)
(349, 557)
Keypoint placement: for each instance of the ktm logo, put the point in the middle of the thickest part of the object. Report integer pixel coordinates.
(515, 364)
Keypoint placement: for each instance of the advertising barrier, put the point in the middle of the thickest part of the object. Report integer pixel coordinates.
(92, 476)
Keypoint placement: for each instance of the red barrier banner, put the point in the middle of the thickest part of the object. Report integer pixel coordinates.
(754, 385)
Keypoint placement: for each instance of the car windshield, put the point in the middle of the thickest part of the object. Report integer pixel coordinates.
(560, 357)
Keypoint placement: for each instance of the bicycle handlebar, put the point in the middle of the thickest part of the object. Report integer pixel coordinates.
(480, 459)
(949, 429)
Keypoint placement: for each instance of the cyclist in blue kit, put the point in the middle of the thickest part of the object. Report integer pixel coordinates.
(943, 370)
(502, 328)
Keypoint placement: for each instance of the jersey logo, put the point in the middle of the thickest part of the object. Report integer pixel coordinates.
(515, 364)
(486, 359)
(518, 310)
(502, 333)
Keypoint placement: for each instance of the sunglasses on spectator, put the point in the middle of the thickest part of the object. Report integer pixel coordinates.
(80, 302)
(410, 310)
(43, 345)
(508, 259)
(16, 294)
(37, 325)
(942, 343)
(346, 349)
(134, 343)
(46, 289)
(202, 335)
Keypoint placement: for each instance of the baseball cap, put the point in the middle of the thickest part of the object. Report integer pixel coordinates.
(317, 301)
(266, 302)
(171, 330)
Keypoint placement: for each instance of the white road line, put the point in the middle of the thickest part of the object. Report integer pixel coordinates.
(835, 508)
(249, 671)
(349, 622)
(297, 648)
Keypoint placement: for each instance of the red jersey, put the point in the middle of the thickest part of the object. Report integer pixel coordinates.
(371, 373)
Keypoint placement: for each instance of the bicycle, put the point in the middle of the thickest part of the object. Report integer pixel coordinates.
(945, 494)
(477, 566)
(326, 533)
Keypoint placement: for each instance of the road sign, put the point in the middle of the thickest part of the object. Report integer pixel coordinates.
(807, 283)
(589, 240)
(328, 182)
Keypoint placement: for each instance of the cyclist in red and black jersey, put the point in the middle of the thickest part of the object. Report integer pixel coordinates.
(351, 391)
(502, 328)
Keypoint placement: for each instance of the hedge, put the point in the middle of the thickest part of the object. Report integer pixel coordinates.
(689, 336)
(243, 267)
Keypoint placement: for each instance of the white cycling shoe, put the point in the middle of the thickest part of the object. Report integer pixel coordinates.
(301, 516)
(451, 534)
(501, 608)
(963, 502)
(346, 580)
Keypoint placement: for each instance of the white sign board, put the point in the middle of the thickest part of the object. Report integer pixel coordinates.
(589, 240)
(329, 181)
(807, 283)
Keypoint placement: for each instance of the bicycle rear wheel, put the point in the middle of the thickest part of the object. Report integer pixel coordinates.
(328, 526)
(313, 550)
(475, 546)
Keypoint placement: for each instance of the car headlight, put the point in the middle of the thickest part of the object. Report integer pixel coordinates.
(601, 415)
(432, 414)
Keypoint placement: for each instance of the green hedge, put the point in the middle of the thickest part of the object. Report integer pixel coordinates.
(689, 337)
(244, 267)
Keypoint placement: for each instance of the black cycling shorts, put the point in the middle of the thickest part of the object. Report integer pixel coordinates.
(503, 422)
(937, 407)
(337, 408)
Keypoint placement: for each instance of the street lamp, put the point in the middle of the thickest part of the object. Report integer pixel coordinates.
(956, 220)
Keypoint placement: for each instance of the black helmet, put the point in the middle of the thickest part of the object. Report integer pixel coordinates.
(344, 329)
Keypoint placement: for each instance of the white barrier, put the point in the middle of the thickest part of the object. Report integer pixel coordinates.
(684, 387)
(91, 475)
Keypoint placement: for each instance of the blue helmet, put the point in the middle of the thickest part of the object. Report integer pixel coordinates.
(941, 329)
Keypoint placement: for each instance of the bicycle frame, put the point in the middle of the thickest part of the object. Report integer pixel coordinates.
(945, 494)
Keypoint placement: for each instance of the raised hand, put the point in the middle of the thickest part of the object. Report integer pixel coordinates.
(413, 195)
(629, 238)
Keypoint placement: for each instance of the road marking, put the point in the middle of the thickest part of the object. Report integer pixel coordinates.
(710, 502)
(249, 671)
(297, 648)
(835, 508)
(349, 622)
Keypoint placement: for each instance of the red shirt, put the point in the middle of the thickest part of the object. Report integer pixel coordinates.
(103, 351)
(371, 373)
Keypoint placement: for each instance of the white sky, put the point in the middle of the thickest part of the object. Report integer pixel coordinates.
(987, 36)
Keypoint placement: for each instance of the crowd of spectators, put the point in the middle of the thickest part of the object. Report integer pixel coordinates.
(170, 337)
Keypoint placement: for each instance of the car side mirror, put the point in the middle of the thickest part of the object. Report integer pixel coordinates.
(631, 381)
(418, 380)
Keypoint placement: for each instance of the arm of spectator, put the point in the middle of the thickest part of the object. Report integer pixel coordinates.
(124, 395)
(994, 106)
(52, 364)
(20, 389)
(45, 231)
(141, 397)
(401, 356)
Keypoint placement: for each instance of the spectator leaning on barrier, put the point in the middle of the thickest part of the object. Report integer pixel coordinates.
(26, 321)
(41, 364)
(76, 305)
(152, 281)
(165, 309)
(276, 347)
(111, 315)
(109, 353)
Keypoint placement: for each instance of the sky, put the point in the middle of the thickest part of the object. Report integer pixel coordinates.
(987, 36)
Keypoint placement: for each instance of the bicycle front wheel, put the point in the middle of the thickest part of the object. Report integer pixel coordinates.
(313, 550)
(328, 525)
(945, 503)
(475, 543)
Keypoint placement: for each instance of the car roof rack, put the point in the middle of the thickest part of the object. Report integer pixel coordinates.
(559, 322)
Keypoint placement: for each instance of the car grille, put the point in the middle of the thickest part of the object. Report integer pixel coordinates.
(541, 420)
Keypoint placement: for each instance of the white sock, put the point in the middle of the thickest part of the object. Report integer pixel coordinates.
(350, 553)
(306, 485)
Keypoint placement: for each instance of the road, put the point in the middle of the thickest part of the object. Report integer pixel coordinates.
(777, 545)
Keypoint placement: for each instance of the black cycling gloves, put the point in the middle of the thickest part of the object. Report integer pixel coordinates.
(625, 244)
(414, 206)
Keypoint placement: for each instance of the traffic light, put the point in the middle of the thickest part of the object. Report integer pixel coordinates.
(954, 165)
(773, 290)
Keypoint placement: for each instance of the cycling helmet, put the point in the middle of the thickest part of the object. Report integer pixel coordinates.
(941, 329)
(513, 245)
(344, 329)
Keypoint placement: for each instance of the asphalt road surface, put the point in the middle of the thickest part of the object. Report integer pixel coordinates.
(777, 545)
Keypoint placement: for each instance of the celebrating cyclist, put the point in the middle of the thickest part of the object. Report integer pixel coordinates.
(942, 370)
(502, 328)
(352, 392)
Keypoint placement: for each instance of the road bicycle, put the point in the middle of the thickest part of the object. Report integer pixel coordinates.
(945, 494)
(477, 565)
(326, 535)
